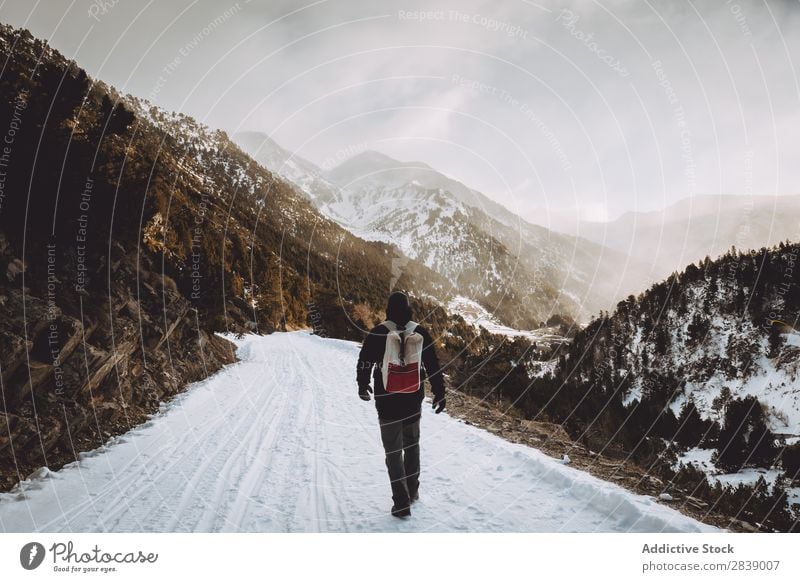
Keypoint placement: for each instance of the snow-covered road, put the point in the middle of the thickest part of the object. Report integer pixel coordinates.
(281, 442)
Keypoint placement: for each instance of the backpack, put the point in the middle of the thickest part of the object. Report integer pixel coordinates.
(402, 358)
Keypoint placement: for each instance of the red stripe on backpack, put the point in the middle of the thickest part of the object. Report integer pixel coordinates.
(403, 378)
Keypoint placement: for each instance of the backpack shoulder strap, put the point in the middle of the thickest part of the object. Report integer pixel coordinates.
(411, 327)
(390, 325)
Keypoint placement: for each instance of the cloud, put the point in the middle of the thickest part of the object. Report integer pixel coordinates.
(610, 106)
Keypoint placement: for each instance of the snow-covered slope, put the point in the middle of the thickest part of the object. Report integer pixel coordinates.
(438, 231)
(474, 314)
(708, 358)
(716, 349)
(374, 170)
(703, 460)
(280, 442)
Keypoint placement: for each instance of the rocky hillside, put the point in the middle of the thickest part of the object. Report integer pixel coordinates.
(128, 237)
(522, 273)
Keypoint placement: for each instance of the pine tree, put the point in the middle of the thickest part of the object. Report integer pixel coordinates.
(776, 341)
(790, 460)
(692, 429)
(745, 439)
(731, 452)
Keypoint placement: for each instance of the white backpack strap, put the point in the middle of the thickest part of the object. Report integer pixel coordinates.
(390, 325)
(416, 340)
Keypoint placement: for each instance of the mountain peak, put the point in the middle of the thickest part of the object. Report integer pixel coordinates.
(371, 161)
(370, 156)
(259, 144)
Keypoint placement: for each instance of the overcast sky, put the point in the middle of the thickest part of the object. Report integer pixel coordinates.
(603, 106)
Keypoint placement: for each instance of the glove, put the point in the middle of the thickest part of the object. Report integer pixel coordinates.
(438, 403)
(364, 393)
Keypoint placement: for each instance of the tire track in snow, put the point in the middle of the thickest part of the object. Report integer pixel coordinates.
(171, 465)
(252, 456)
(138, 477)
(325, 503)
(209, 474)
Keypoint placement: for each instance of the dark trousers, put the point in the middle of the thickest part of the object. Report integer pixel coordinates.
(401, 443)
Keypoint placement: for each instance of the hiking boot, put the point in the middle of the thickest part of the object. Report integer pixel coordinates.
(401, 511)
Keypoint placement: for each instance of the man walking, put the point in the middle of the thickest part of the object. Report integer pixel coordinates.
(401, 353)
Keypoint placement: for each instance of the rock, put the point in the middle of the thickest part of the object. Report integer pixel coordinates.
(38, 374)
(13, 352)
(744, 526)
(78, 334)
(178, 320)
(50, 432)
(695, 502)
(15, 267)
(123, 351)
(105, 412)
(77, 421)
(14, 429)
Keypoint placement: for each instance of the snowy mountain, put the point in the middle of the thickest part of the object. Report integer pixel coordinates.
(281, 459)
(522, 273)
(723, 330)
(694, 228)
(306, 176)
(374, 170)
(720, 345)
(708, 359)
(486, 246)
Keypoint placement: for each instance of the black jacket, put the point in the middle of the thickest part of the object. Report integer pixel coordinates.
(397, 406)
